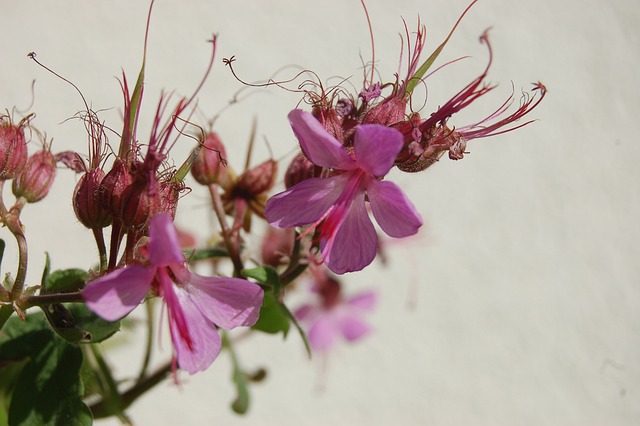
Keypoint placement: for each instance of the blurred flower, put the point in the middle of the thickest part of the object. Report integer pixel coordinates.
(336, 205)
(332, 316)
(195, 304)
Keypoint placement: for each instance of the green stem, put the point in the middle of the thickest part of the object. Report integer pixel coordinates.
(111, 402)
(12, 220)
(232, 248)
(149, 344)
(295, 268)
(25, 302)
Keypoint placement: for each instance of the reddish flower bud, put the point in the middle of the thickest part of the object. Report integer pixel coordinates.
(257, 180)
(139, 202)
(112, 186)
(300, 169)
(209, 165)
(13, 148)
(86, 201)
(169, 195)
(276, 246)
(388, 112)
(35, 179)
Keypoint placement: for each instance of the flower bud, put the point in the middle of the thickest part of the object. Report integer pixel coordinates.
(13, 148)
(300, 169)
(388, 112)
(257, 180)
(276, 246)
(86, 201)
(209, 165)
(35, 179)
(139, 202)
(112, 186)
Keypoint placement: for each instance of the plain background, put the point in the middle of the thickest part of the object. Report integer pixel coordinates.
(518, 304)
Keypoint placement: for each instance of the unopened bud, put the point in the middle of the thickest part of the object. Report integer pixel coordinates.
(209, 165)
(13, 148)
(139, 202)
(35, 179)
(300, 169)
(112, 186)
(86, 201)
(257, 180)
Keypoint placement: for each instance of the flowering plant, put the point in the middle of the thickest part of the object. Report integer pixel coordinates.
(318, 229)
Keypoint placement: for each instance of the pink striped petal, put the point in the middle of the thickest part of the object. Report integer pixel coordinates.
(393, 211)
(318, 145)
(227, 302)
(377, 147)
(119, 292)
(202, 348)
(164, 247)
(305, 202)
(354, 243)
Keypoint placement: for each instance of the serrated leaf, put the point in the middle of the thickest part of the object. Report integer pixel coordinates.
(273, 316)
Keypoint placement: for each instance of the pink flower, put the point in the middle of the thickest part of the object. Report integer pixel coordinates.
(336, 205)
(195, 304)
(333, 316)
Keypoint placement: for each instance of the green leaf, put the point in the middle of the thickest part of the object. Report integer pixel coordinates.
(264, 275)
(46, 270)
(2, 246)
(98, 328)
(273, 316)
(5, 313)
(65, 281)
(48, 390)
(208, 253)
(76, 323)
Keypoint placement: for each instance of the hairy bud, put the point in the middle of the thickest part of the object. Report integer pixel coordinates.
(86, 201)
(13, 148)
(35, 179)
(300, 169)
(209, 165)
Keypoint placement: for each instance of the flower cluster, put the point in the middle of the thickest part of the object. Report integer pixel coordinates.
(337, 199)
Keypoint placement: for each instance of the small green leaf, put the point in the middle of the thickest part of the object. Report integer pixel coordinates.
(98, 328)
(2, 246)
(264, 275)
(65, 281)
(273, 316)
(46, 270)
(5, 313)
(208, 253)
(64, 324)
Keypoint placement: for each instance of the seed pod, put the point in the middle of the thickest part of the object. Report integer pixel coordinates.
(209, 165)
(35, 179)
(86, 201)
(139, 202)
(13, 148)
(112, 186)
(300, 169)
(257, 180)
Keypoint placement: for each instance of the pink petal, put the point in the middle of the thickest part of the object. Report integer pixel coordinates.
(318, 145)
(164, 247)
(352, 327)
(364, 301)
(377, 147)
(393, 211)
(227, 302)
(119, 292)
(204, 345)
(355, 242)
(322, 333)
(303, 312)
(305, 202)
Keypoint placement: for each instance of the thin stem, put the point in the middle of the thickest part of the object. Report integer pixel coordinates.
(111, 402)
(25, 302)
(149, 344)
(102, 249)
(232, 248)
(295, 268)
(12, 220)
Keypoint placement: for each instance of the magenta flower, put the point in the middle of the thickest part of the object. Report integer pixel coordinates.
(332, 316)
(195, 304)
(336, 205)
